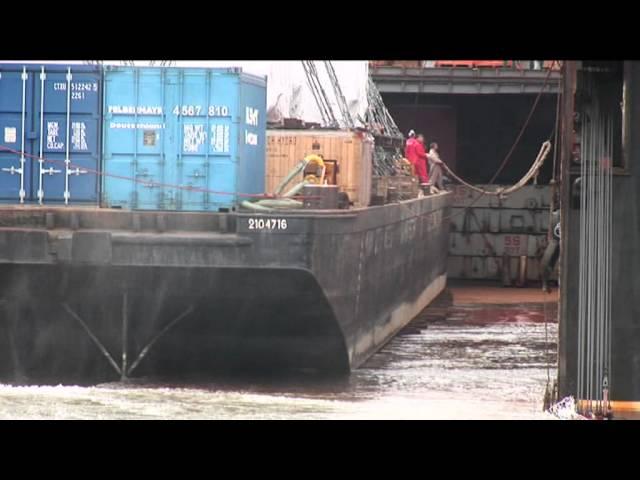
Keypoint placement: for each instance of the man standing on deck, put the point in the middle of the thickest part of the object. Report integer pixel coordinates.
(421, 160)
(409, 148)
(435, 167)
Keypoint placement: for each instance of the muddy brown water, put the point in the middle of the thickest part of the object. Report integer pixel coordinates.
(466, 360)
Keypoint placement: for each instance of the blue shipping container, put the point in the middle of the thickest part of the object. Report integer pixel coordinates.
(58, 133)
(182, 138)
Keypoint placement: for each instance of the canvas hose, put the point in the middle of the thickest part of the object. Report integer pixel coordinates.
(285, 202)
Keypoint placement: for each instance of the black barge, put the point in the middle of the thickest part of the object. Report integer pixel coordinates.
(91, 295)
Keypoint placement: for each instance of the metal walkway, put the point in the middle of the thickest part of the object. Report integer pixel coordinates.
(462, 80)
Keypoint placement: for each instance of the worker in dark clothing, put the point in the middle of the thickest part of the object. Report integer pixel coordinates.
(435, 165)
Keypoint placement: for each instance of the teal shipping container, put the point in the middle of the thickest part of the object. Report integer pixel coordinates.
(186, 139)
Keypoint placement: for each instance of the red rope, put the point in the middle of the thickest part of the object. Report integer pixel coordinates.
(152, 184)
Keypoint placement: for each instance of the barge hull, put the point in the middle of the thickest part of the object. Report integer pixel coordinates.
(93, 295)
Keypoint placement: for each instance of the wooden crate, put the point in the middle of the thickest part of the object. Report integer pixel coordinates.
(352, 150)
(379, 187)
(406, 187)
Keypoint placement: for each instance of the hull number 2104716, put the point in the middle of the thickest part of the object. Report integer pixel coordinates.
(267, 224)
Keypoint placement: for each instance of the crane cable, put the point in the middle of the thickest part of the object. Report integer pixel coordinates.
(549, 394)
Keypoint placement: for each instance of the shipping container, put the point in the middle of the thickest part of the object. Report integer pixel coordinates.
(49, 133)
(182, 138)
(353, 152)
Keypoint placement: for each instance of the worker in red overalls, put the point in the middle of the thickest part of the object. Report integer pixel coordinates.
(410, 150)
(409, 146)
(420, 160)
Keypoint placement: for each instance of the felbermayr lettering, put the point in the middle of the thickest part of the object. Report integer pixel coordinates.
(132, 110)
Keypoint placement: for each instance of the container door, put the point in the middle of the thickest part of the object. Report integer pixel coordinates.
(205, 163)
(224, 139)
(190, 114)
(171, 130)
(15, 107)
(67, 144)
(136, 142)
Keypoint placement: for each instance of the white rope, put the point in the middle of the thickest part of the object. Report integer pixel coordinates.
(502, 192)
(566, 409)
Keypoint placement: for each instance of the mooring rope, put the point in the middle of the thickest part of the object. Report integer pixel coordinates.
(504, 191)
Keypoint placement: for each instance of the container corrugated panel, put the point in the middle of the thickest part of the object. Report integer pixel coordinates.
(500, 220)
(182, 138)
(492, 268)
(50, 112)
(496, 244)
(352, 150)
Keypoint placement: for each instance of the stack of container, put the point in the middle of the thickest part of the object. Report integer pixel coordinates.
(129, 137)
